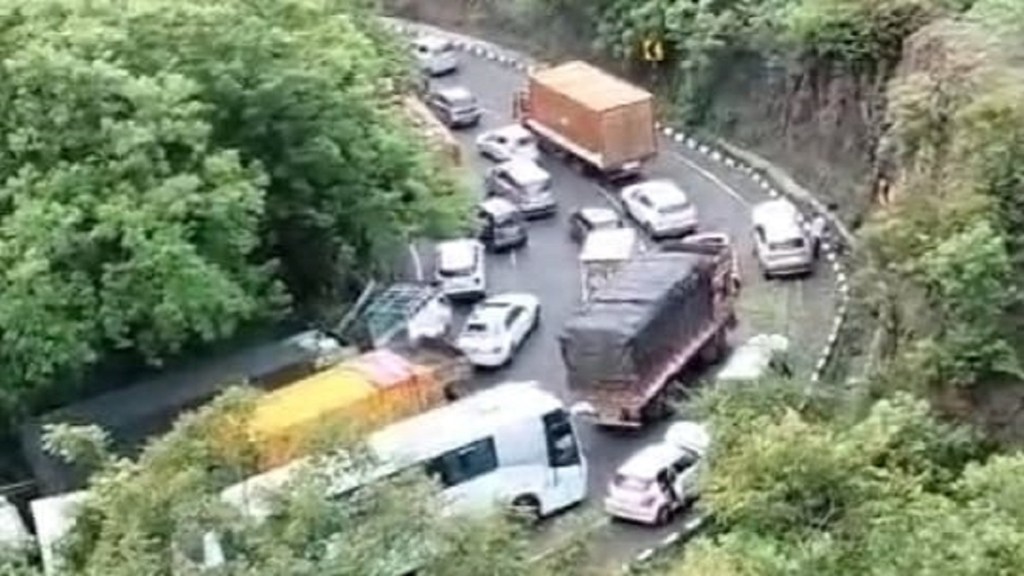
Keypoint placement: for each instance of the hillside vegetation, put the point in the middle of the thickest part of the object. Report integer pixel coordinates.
(173, 173)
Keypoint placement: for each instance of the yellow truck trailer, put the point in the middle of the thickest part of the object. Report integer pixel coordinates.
(351, 399)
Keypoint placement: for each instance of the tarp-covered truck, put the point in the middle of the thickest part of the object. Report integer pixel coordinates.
(354, 397)
(581, 111)
(658, 313)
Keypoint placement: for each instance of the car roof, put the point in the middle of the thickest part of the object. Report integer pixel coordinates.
(771, 210)
(462, 421)
(512, 131)
(662, 191)
(492, 314)
(498, 206)
(604, 245)
(599, 215)
(457, 253)
(524, 170)
(455, 93)
(751, 360)
(649, 460)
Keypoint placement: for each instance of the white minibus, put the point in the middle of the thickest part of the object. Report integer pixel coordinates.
(514, 444)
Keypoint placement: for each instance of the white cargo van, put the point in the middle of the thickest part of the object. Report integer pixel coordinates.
(604, 251)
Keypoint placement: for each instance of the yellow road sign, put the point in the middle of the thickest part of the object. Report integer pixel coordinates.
(653, 51)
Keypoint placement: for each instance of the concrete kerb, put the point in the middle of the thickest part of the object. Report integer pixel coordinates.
(688, 530)
(773, 181)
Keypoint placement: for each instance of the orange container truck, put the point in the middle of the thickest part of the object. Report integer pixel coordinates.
(582, 112)
(350, 399)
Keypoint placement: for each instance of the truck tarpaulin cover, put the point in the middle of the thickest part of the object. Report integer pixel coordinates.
(653, 306)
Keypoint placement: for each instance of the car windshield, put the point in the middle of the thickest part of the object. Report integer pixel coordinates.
(462, 101)
(631, 483)
(453, 272)
(793, 244)
(674, 208)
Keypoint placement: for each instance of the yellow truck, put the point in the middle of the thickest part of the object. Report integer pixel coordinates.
(353, 398)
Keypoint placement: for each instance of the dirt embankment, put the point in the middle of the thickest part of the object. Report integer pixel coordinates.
(821, 126)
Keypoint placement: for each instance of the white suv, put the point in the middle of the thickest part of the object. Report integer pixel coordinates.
(459, 269)
(781, 245)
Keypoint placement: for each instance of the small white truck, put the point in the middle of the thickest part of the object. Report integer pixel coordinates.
(603, 253)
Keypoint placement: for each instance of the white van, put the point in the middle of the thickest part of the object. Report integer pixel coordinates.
(436, 56)
(459, 268)
(781, 245)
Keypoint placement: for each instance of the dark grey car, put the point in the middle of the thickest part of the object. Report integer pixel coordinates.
(501, 225)
(455, 106)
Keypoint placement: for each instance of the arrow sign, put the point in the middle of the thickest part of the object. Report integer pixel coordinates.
(653, 51)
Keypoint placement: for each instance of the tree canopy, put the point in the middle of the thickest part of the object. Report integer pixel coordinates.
(175, 170)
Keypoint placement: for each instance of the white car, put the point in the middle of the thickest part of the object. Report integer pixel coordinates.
(436, 56)
(497, 328)
(459, 269)
(661, 208)
(660, 479)
(507, 143)
(755, 359)
(781, 245)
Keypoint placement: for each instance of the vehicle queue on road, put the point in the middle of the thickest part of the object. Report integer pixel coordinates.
(658, 480)
(516, 442)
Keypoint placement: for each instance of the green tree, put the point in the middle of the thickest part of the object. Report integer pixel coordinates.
(174, 170)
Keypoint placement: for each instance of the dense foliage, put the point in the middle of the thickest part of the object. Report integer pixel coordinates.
(173, 170)
(810, 487)
(150, 515)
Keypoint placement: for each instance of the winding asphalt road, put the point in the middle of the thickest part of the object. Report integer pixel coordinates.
(548, 267)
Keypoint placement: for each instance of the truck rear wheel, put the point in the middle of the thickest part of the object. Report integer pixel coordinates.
(714, 350)
(659, 408)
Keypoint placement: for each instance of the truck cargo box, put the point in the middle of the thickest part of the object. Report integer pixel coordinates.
(604, 120)
(351, 399)
(652, 308)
